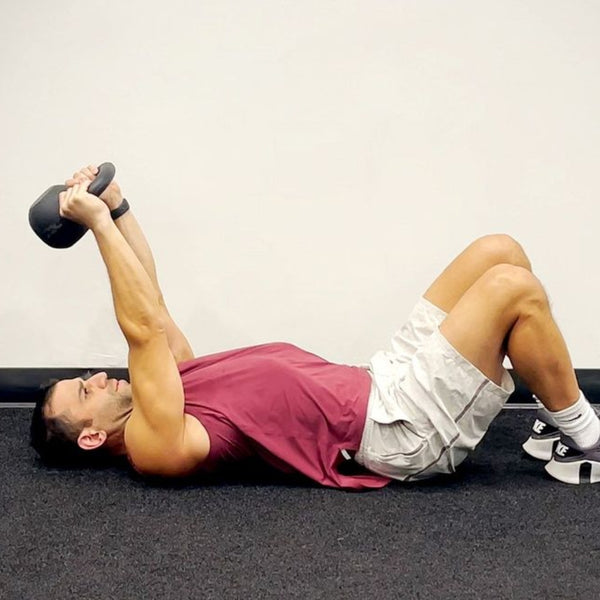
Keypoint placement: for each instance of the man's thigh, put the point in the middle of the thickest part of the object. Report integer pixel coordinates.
(477, 327)
(422, 322)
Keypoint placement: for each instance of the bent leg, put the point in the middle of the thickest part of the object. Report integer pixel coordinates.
(506, 312)
(483, 254)
(449, 287)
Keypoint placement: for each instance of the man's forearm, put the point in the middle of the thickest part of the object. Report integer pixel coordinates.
(135, 297)
(132, 232)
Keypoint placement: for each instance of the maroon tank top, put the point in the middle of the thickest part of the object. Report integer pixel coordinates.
(294, 410)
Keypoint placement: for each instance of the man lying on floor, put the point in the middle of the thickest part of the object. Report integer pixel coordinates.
(416, 411)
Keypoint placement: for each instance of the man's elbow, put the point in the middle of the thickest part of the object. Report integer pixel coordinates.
(143, 329)
(182, 353)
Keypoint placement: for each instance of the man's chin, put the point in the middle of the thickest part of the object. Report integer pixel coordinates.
(125, 399)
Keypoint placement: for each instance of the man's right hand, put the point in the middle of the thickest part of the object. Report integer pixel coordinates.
(78, 205)
(111, 196)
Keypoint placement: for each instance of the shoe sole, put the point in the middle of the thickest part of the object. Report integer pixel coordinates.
(542, 449)
(572, 472)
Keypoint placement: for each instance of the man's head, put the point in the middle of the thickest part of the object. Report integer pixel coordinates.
(81, 419)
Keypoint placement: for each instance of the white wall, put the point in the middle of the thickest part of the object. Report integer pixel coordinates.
(302, 169)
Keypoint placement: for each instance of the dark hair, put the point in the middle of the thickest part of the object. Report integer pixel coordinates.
(55, 438)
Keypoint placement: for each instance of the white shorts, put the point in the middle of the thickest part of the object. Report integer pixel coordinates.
(428, 406)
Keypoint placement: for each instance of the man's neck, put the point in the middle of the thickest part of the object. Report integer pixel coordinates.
(115, 442)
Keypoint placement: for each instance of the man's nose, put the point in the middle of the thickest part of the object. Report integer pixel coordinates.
(99, 379)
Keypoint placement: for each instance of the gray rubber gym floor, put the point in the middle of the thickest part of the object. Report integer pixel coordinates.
(498, 529)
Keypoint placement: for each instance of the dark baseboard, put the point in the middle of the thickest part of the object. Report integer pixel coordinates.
(26, 385)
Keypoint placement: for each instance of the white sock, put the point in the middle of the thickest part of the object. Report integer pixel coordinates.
(580, 422)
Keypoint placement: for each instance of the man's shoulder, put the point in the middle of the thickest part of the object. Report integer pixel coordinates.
(166, 453)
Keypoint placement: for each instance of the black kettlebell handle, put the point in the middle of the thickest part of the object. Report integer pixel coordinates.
(44, 214)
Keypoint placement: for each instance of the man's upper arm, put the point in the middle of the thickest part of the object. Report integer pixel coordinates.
(155, 435)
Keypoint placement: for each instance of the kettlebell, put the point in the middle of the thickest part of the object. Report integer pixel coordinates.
(44, 214)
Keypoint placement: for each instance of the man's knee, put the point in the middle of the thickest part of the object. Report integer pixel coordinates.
(502, 249)
(515, 287)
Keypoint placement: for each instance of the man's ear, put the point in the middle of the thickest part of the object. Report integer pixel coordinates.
(90, 438)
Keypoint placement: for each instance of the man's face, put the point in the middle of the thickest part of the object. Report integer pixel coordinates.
(97, 399)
